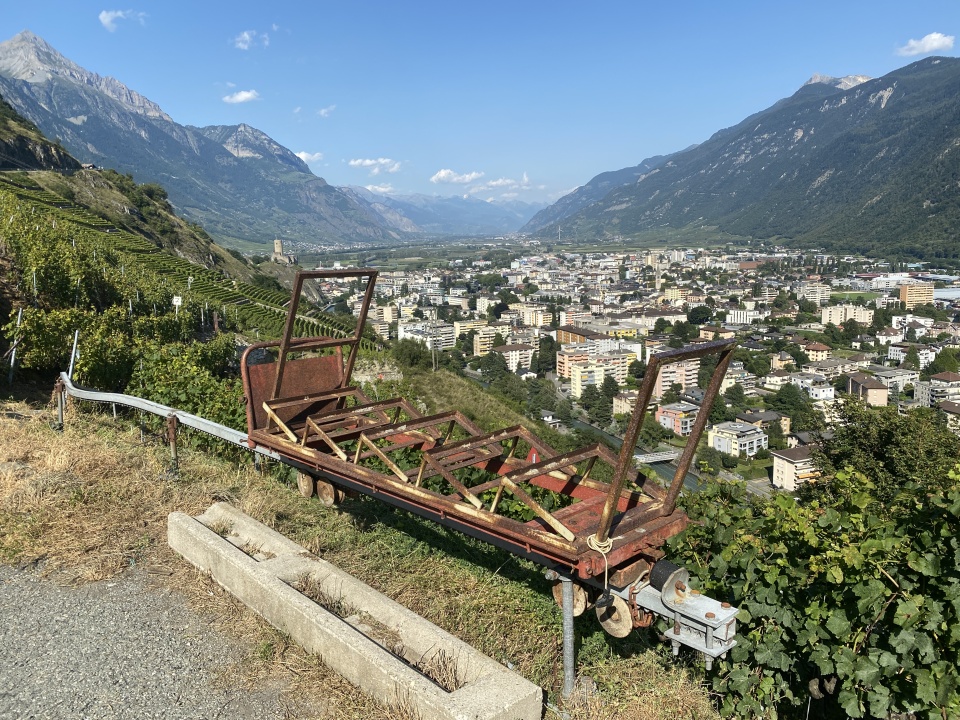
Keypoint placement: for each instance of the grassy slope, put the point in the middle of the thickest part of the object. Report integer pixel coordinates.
(93, 190)
(91, 506)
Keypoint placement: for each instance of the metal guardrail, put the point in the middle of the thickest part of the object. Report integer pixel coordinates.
(65, 387)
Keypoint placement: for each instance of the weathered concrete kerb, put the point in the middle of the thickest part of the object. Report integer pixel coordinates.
(378, 646)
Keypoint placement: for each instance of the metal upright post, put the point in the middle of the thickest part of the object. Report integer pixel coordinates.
(569, 668)
(172, 438)
(13, 350)
(60, 390)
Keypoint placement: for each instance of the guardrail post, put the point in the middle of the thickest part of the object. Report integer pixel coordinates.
(61, 401)
(172, 438)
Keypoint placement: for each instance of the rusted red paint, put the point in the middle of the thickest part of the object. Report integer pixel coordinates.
(637, 521)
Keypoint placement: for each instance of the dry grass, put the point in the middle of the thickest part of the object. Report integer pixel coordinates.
(91, 502)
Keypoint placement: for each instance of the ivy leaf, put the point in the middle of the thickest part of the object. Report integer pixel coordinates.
(904, 641)
(838, 624)
(927, 564)
(879, 699)
(926, 687)
(907, 613)
(850, 702)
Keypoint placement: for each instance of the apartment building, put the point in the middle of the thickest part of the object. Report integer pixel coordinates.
(916, 293)
(435, 335)
(517, 356)
(897, 352)
(678, 417)
(814, 385)
(839, 314)
(573, 353)
(583, 374)
(940, 388)
(868, 388)
(682, 373)
(793, 467)
(483, 340)
(736, 438)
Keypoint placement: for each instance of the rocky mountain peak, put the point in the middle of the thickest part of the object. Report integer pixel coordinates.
(246, 141)
(31, 59)
(844, 83)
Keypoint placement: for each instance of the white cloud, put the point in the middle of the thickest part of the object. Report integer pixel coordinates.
(327, 111)
(449, 176)
(376, 165)
(310, 157)
(108, 18)
(934, 42)
(388, 188)
(250, 38)
(296, 110)
(509, 195)
(503, 183)
(245, 40)
(241, 96)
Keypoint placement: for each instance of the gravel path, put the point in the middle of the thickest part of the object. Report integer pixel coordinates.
(115, 649)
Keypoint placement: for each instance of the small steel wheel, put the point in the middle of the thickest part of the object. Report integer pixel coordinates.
(307, 484)
(615, 617)
(329, 494)
(580, 597)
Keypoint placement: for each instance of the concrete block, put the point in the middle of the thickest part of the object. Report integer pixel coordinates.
(376, 647)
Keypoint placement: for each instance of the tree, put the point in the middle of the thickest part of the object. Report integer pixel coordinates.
(510, 386)
(637, 369)
(412, 354)
(945, 361)
(535, 363)
(912, 359)
(736, 396)
(683, 331)
(672, 395)
(493, 366)
(699, 315)
(565, 411)
(709, 460)
(776, 440)
(903, 455)
(589, 397)
(660, 326)
(758, 364)
(791, 401)
(609, 388)
(602, 413)
(547, 348)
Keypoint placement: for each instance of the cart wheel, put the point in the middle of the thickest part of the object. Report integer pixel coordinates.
(615, 618)
(329, 494)
(307, 484)
(580, 598)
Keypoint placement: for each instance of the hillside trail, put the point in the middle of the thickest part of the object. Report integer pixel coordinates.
(122, 648)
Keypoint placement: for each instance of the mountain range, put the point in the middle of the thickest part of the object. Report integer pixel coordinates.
(853, 165)
(236, 181)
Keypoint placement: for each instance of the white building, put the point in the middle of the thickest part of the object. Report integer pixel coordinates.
(839, 314)
(793, 467)
(435, 335)
(814, 385)
(517, 356)
(736, 438)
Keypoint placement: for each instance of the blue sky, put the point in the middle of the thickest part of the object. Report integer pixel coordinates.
(522, 100)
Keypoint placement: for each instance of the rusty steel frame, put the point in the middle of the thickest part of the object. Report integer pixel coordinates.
(308, 422)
